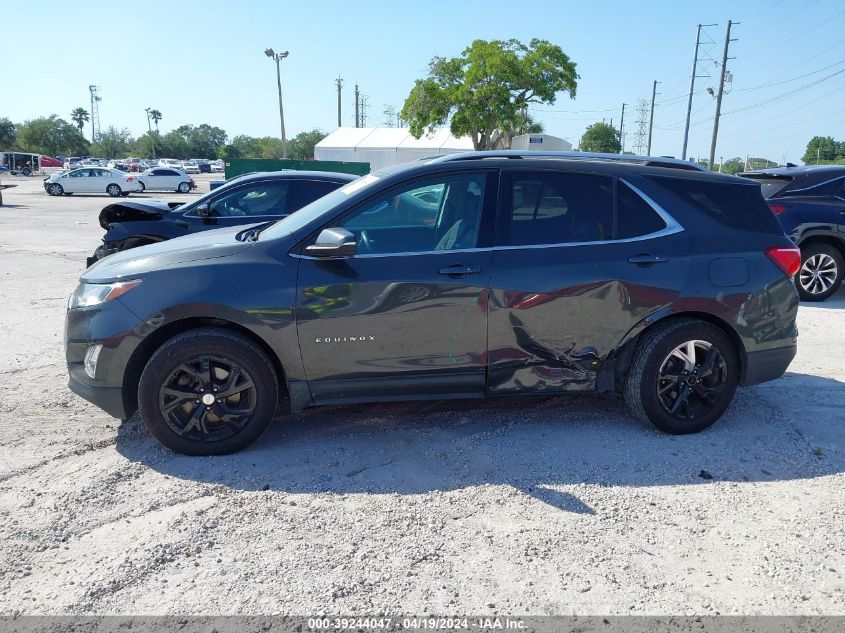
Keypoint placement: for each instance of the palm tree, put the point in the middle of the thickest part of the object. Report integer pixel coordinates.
(155, 115)
(79, 116)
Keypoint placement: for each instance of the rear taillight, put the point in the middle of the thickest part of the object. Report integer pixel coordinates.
(130, 178)
(788, 259)
(777, 209)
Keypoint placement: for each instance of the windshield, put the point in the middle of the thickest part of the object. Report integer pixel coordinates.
(310, 212)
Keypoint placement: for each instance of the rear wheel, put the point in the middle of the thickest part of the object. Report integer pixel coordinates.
(114, 191)
(208, 392)
(821, 272)
(141, 184)
(184, 187)
(55, 189)
(683, 377)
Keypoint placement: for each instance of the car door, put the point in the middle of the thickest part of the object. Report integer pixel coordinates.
(80, 181)
(406, 316)
(579, 260)
(839, 200)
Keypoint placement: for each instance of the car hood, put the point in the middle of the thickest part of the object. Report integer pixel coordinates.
(128, 211)
(144, 259)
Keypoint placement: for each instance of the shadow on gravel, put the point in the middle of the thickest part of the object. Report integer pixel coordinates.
(793, 428)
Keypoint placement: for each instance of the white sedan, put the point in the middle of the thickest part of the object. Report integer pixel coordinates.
(92, 180)
(166, 179)
(190, 167)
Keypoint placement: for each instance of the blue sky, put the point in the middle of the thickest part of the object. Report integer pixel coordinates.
(203, 62)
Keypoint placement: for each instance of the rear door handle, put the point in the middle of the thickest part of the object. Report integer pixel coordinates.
(460, 270)
(647, 259)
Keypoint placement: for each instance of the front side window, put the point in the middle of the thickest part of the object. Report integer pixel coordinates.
(260, 199)
(81, 173)
(557, 208)
(441, 214)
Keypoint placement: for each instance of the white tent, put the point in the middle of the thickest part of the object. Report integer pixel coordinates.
(382, 147)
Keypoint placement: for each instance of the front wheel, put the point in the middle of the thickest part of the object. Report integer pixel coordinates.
(114, 191)
(683, 377)
(184, 187)
(55, 189)
(821, 272)
(208, 392)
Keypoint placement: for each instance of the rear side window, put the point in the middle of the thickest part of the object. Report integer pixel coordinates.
(735, 205)
(635, 217)
(557, 208)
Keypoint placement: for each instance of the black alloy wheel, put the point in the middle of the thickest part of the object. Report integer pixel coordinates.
(208, 392)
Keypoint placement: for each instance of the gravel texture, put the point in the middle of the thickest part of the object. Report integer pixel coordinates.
(527, 506)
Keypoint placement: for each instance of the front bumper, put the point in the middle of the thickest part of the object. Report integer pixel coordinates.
(109, 399)
(767, 365)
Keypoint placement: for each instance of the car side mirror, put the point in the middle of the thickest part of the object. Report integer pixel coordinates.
(203, 211)
(333, 243)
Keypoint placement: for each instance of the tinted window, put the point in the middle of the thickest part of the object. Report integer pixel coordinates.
(735, 205)
(635, 217)
(166, 172)
(441, 214)
(555, 208)
(267, 198)
(302, 192)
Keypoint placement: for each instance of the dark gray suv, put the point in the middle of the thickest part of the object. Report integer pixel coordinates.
(480, 274)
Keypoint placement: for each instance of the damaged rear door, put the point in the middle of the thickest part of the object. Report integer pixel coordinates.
(579, 260)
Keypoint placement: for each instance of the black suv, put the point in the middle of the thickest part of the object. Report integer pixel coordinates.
(810, 204)
(258, 197)
(477, 274)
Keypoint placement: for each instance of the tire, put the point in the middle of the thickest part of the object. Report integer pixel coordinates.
(176, 373)
(143, 186)
(114, 191)
(821, 272)
(651, 391)
(26, 171)
(68, 193)
(55, 189)
(183, 187)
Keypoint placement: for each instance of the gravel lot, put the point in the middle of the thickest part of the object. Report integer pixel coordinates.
(524, 506)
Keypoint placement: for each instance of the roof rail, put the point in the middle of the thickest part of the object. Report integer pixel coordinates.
(652, 161)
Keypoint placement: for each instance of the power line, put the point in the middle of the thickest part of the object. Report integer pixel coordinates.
(786, 81)
(786, 94)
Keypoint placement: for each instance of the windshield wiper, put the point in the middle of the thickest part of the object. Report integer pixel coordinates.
(251, 235)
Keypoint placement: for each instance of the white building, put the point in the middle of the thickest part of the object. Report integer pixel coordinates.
(382, 147)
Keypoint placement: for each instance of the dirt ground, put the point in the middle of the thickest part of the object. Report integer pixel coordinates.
(523, 506)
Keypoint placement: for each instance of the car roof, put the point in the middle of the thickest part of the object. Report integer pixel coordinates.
(292, 174)
(644, 166)
(829, 170)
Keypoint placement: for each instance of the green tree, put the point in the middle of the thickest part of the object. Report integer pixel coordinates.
(189, 141)
(144, 144)
(601, 137)
(155, 116)
(522, 124)
(7, 133)
(50, 135)
(301, 146)
(733, 166)
(113, 143)
(79, 116)
(481, 92)
(821, 149)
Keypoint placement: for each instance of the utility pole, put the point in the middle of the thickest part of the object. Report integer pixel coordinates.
(692, 88)
(95, 112)
(357, 106)
(651, 116)
(641, 132)
(339, 83)
(818, 155)
(724, 71)
(279, 57)
(364, 103)
(622, 131)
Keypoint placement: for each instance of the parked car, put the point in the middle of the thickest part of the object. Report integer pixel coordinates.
(217, 167)
(669, 285)
(117, 164)
(170, 162)
(49, 161)
(161, 179)
(810, 204)
(72, 162)
(257, 198)
(190, 167)
(204, 166)
(91, 180)
(134, 164)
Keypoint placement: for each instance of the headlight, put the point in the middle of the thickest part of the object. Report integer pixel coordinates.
(87, 295)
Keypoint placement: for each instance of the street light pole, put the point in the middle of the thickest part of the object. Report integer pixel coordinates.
(279, 57)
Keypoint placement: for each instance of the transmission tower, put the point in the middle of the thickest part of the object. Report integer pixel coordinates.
(641, 133)
(95, 112)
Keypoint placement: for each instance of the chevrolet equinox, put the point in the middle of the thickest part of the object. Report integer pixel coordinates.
(479, 274)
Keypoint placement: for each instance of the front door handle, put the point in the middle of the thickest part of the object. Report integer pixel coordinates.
(460, 270)
(647, 259)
